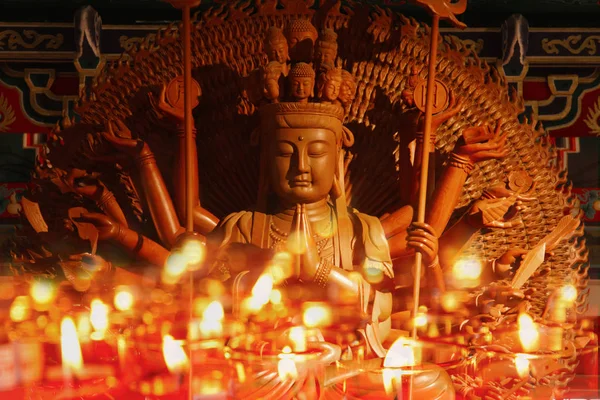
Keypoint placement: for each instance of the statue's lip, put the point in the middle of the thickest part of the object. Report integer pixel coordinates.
(302, 182)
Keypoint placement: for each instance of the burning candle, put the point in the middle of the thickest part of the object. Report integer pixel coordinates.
(406, 371)
(528, 333)
(99, 319)
(211, 324)
(72, 360)
(124, 299)
(286, 367)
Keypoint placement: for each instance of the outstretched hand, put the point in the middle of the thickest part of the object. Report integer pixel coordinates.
(107, 228)
(496, 213)
(162, 106)
(454, 106)
(119, 136)
(482, 144)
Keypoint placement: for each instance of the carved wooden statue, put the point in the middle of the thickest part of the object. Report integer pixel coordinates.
(307, 137)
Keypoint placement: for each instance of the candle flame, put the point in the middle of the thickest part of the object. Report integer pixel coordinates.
(450, 301)
(522, 365)
(42, 292)
(466, 272)
(298, 338)
(84, 327)
(281, 267)
(175, 357)
(275, 297)
(391, 378)
(401, 354)
(317, 315)
(528, 333)
(72, 360)
(568, 293)
(194, 252)
(421, 317)
(261, 292)
(123, 298)
(286, 367)
(20, 309)
(175, 267)
(212, 320)
(99, 318)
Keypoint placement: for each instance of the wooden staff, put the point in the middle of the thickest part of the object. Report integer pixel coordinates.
(447, 10)
(433, 44)
(185, 6)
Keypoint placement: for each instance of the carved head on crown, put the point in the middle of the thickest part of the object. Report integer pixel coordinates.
(276, 46)
(301, 36)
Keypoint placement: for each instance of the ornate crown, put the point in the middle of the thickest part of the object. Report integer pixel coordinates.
(304, 94)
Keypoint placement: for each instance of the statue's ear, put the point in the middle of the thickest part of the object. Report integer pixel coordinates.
(347, 137)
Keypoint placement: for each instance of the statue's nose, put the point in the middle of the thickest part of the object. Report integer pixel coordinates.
(302, 164)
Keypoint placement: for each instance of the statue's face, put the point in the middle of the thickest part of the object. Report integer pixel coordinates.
(346, 94)
(302, 164)
(278, 51)
(332, 89)
(325, 56)
(302, 88)
(272, 89)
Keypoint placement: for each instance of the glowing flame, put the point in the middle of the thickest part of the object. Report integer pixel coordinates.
(193, 252)
(175, 357)
(72, 360)
(317, 315)
(281, 267)
(43, 292)
(528, 333)
(84, 327)
(466, 272)
(286, 367)
(401, 354)
(568, 293)
(261, 292)
(450, 302)
(20, 309)
(391, 378)
(522, 365)
(298, 338)
(175, 267)
(275, 296)
(123, 298)
(421, 318)
(99, 318)
(211, 324)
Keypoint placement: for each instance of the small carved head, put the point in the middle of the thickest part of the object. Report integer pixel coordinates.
(272, 74)
(276, 46)
(329, 84)
(301, 36)
(347, 88)
(302, 82)
(326, 48)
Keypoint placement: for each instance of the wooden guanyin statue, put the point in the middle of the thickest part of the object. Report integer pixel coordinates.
(307, 135)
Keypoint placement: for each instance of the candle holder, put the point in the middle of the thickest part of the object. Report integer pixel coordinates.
(541, 370)
(274, 370)
(420, 373)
